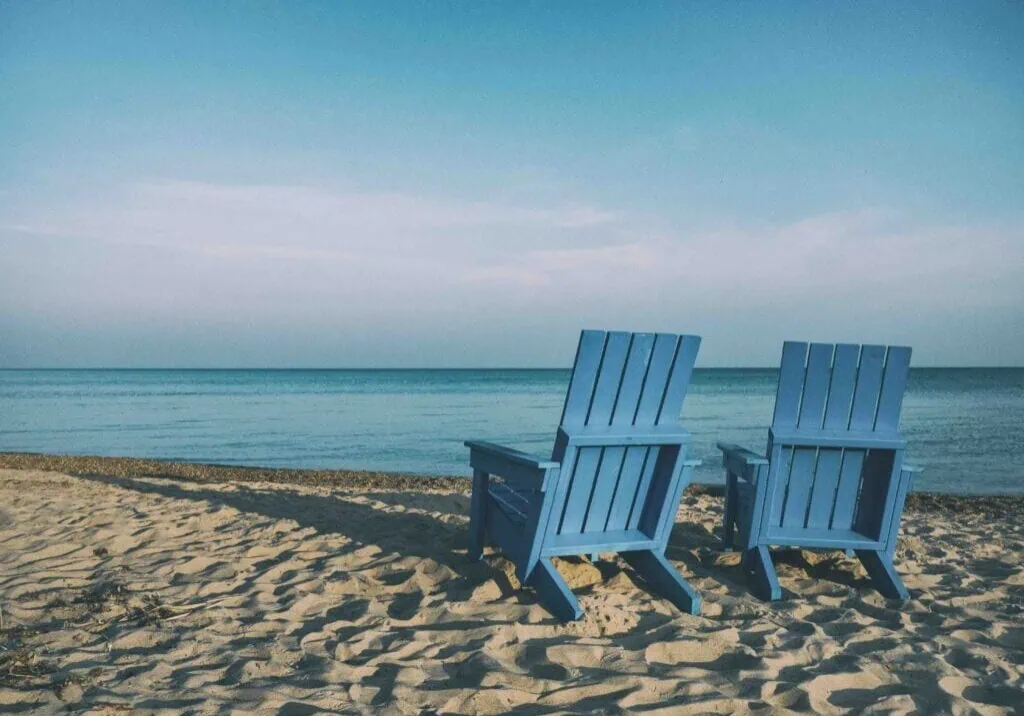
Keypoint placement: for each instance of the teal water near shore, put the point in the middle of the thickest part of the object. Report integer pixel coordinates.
(965, 425)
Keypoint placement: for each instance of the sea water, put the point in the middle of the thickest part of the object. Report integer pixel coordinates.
(964, 425)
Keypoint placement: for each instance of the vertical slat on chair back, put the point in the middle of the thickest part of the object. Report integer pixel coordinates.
(829, 389)
(622, 379)
(894, 384)
(791, 385)
(869, 383)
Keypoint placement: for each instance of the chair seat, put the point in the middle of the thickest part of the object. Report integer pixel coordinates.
(513, 500)
(823, 537)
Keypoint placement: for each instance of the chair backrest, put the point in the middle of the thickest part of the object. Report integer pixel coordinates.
(628, 380)
(834, 442)
(838, 388)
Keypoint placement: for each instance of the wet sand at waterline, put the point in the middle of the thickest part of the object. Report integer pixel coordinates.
(149, 587)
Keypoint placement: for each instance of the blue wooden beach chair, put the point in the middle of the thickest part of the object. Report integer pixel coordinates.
(614, 479)
(834, 476)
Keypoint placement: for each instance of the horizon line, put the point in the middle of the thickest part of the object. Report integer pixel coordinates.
(439, 368)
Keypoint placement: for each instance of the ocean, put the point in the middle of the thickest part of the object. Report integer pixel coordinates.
(964, 425)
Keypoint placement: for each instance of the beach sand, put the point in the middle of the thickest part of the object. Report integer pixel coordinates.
(215, 590)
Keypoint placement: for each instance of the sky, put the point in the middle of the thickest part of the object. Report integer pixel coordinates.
(400, 184)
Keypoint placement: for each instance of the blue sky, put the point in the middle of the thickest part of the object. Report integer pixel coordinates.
(462, 184)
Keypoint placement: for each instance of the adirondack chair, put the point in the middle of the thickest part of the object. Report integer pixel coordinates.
(614, 479)
(834, 475)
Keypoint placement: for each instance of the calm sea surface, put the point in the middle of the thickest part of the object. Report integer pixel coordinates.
(966, 426)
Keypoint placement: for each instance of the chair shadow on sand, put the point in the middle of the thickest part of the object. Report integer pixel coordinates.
(433, 526)
(412, 533)
(442, 535)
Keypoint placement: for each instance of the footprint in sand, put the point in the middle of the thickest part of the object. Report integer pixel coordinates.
(576, 656)
(993, 568)
(1011, 638)
(879, 699)
(785, 695)
(758, 636)
(841, 631)
(393, 579)
(929, 619)
(966, 661)
(824, 616)
(349, 611)
(308, 605)
(368, 647)
(405, 605)
(994, 695)
(719, 651)
(533, 659)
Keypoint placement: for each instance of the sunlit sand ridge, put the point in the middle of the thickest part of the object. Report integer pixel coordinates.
(122, 591)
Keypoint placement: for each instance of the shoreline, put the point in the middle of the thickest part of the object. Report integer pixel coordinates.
(379, 480)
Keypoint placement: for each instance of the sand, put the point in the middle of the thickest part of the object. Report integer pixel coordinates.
(125, 592)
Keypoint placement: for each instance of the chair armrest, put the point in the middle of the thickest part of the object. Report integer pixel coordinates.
(738, 460)
(912, 468)
(626, 435)
(515, 456)
(523, 468)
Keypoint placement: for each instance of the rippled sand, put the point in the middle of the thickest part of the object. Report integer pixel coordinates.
(141, 594)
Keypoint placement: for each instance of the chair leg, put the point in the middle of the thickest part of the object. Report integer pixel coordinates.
(879, 566)
(766, 583)
(478, 515)
(664, 579)
(553, 592)
(729, 517)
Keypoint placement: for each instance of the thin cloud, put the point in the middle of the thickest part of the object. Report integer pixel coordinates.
(276, 246)
(867, 255)
(296, 221)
